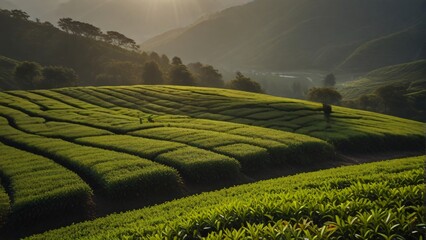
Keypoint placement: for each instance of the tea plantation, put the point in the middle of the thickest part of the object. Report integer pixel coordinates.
(80, 150)
(381, 200)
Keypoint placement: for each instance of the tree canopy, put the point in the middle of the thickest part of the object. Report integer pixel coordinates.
(56, 77)
(324, 95)
(28, 74)
(151, 73)
(244, 83)
(206, 75)
(180, 75)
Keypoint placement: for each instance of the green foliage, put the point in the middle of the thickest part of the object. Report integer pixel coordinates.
(56, 77)
(152, 74)
(180, 75)
(206, 75)
(395, 90)
(244, 84)
(370, 201)
(324, 95)
(139, 141)
(116, 174)
(7, 68)
(200, 165)
(143, 147)
(19, 14)
(28, 74)
(40, 188)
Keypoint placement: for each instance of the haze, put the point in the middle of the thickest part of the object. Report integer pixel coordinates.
(139, 19)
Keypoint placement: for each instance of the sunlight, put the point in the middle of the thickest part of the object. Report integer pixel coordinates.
(177, 8)
(91, 10)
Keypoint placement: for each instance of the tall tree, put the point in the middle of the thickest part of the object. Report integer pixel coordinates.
(394, 100)
(121, 40)
(180, 75)
(324, 95)
(28, 75)
(176, 61)
(151, 73)
(65, 24)
(56, 77)
(207, 75)
(244, 83)
(19, 14)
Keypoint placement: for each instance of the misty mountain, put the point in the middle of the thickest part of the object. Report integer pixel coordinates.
(138, 19)
(290, 34)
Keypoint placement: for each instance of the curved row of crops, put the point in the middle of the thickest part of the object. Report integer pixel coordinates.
(122, 153)
(144, 143)
(372, 201)
(349, 128)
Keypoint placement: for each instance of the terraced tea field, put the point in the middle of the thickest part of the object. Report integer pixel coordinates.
(372, 201)
(66, 150)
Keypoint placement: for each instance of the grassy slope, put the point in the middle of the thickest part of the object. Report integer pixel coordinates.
(349, 128)
(412, 74)
(288, 34)
(206, 135)
(47, 45)
(395, 48)
(350, 188)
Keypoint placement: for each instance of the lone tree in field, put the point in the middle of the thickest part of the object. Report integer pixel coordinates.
(28, 75)
(324, 95)
(244, 83)
(329, 80)
(151, 74)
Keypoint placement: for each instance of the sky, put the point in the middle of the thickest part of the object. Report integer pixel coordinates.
(138, 19)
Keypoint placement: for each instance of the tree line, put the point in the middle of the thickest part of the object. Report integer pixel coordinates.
(88, 30)
(95, 63)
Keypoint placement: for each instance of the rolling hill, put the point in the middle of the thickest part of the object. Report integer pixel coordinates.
(411, 75)
(372, 201)
(397, 90)
(105, 149)
(291, 34)
(392, 49)
(43, 43)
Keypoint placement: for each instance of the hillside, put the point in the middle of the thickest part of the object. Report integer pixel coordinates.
(392, 49)
(397, 90)
(412, 75)
(107, 149)
(43, 43)
(289, 34)
(373, 201)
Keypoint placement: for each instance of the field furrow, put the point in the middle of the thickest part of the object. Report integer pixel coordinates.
(114, 174)
(41, 190)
